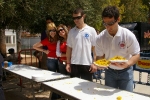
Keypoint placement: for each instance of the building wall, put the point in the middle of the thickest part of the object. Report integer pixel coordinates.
(10, 39)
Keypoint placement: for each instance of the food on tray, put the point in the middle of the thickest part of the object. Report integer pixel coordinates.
(118, 58)
(102, 63)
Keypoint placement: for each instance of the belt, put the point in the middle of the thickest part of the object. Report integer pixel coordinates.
(51, 58)
(116, 70)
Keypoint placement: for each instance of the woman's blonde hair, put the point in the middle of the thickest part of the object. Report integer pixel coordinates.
(66, 32)
(51, 26)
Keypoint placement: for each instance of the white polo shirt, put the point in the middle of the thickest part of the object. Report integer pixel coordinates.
(81, 42)
(124, 43)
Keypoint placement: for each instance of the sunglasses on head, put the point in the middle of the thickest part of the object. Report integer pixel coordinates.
(78, 17)
(110, 23)
(52, 30)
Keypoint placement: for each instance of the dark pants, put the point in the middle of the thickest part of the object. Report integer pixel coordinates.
(81, 71)
(62, 68)
(2, 96)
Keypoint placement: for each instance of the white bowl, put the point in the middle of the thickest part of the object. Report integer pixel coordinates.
(38, 77)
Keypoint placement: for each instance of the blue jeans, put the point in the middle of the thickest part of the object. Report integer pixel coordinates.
(122, 79)
(52, 65)
(97, 75)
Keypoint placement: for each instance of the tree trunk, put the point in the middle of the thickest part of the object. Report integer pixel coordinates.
(18, 34)
(2, 42)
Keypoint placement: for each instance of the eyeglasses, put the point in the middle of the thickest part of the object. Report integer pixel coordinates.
(110, 23)
(60, 30)
(52, 30)
(78, 17)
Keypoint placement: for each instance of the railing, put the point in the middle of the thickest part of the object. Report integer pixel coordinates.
(26, 57)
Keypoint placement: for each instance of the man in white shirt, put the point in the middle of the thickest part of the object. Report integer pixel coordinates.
(80, 41)
(117, 41)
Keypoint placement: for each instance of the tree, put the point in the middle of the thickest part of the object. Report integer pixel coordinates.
(134, 11)
(30, 14)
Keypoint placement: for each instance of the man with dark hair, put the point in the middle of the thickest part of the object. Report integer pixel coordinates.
(13, 57)
(2, 97)
(80, 41)
(43, 34)
(117, 41)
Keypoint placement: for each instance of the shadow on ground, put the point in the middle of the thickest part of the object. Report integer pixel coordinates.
(13, 91)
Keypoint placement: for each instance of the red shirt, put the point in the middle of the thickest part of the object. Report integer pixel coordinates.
(63, 49)
(51, 47)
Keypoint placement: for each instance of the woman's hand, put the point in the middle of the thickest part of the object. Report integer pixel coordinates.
(46, 51)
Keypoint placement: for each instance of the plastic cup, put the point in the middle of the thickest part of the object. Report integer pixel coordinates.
(9, 64)
(5, 64)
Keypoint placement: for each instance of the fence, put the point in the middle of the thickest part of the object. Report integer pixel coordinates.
(27, 42)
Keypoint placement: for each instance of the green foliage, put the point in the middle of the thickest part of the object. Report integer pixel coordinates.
(135, 11)
(30, 14)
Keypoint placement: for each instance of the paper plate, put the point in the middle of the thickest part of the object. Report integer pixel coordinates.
(113, 61)
(38, 77)
(100, 66)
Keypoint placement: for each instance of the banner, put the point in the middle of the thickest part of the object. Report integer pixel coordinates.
(144, 64)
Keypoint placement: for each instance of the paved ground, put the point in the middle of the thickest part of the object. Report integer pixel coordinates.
(26, 93)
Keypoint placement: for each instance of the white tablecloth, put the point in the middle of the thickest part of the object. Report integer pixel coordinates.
(29, 71)
(77, 88)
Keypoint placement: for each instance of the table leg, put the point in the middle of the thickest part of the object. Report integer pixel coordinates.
(33, 90)
(50, 95)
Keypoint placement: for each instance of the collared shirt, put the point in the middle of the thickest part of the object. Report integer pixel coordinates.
(81, 42)
(124, 43)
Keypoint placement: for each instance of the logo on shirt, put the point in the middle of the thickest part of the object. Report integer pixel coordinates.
(122, 45)
(86, 35)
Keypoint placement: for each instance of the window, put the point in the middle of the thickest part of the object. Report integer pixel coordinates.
(13, 39)
(8, 39)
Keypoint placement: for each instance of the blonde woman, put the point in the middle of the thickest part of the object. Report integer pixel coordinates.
(50, 41)
(62, 47)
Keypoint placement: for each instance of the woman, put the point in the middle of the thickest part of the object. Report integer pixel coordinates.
(50, 41)
(61, 47)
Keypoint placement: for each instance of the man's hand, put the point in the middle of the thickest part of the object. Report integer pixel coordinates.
(121, 64)
(93, 68)
(68, 68)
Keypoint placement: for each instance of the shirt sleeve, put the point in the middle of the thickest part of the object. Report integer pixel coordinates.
(45, 41)
(133, 45)
(99, 47)
(94, 37)
(69, 39)
(58, 53)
